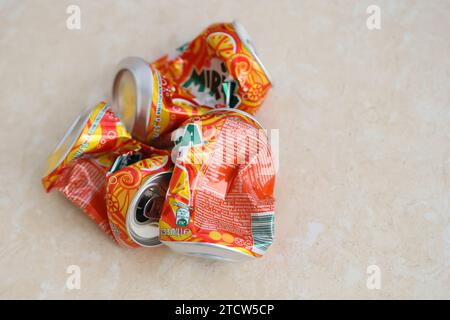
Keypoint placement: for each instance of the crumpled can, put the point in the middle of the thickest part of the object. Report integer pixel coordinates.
(220, 68)
(220, 201)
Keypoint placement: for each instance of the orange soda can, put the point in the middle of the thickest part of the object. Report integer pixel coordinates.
(149, 104)
(220, 68)
(220, 201)
(78, 165)
(135, 194)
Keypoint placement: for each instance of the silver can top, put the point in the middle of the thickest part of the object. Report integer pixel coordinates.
(132, 95)
(63, 148)
(143, 215)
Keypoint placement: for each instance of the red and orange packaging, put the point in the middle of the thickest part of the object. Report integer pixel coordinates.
(220, 202)
(134, 195)
(212, 194)
(91, 166)
(95, 132)
(220, 68)
(149, 104)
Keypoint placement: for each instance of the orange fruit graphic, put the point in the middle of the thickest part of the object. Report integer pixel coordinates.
(223, 44)
(228, 238)
(215, 235)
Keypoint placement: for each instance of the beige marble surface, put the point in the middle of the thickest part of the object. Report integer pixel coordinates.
(364, 120)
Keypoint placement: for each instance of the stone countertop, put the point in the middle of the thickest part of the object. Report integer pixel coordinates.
(364, 152)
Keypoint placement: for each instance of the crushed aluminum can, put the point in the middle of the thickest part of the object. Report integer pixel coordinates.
(134, 196)
(149, 104)
(220, 68)
(220, 201)
(79, 164)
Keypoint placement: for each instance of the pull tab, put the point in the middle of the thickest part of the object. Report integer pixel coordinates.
(149, 206)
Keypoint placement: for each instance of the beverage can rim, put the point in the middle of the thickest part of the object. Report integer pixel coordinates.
(143, 79)
(244, 36)
(132, 208)
(218, 248)
(73, 133)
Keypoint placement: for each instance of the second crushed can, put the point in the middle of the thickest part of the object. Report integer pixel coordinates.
(220, 201)
(220, 68)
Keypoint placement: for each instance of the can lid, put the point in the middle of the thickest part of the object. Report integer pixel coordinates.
(247, 40)
(132, 94)
(63, 148)
(143, 215)
(208, 250)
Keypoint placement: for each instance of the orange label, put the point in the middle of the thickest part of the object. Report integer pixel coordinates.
(218, 69)
(123, 184)
(222, 186)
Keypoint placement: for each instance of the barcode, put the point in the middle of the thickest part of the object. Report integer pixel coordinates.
(262, 231)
